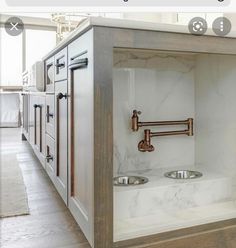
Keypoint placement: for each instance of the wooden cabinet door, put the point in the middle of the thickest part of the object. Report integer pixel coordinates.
(38, 109)
(38, 132)
(81, 160)
(61, 139)
(32, 102)
(25, 124)
(42, 128)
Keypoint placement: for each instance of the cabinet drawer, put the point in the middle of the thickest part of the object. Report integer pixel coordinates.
(49, 75)
(50, 157)
(50, 115)
(61, 65)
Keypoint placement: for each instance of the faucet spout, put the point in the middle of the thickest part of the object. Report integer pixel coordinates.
(145, 144)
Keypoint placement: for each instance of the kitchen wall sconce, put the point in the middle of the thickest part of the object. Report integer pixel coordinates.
(145, 144)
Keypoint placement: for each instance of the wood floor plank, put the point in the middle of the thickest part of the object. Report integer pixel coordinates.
(50, 224)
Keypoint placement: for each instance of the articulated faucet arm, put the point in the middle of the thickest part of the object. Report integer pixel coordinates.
(145, 144)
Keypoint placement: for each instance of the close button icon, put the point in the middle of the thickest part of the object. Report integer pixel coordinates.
(14, 26)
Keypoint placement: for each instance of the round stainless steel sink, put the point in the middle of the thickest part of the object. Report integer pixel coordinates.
(129, 180)
(183, 174)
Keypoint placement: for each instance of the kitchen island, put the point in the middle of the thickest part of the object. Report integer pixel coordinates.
(78, 120)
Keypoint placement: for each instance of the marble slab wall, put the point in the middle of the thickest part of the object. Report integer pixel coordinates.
(215, 94)
(174, 87)
(162, 87)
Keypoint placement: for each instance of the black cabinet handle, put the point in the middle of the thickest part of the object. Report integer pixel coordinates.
(35, 124)
(49, 115)
(60, 65)
(78, 63)
(60, 96)
(41, 129)
(37, 106)
(48, 158)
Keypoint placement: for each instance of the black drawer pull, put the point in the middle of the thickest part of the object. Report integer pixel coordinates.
(48, 158)
(60, 96)
(60, 65)
(37, 106)
(78, 63)
(49, 115)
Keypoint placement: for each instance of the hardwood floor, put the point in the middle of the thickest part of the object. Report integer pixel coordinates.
(50, 224)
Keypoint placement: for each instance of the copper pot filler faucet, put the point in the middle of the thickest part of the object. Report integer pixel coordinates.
(145, 144)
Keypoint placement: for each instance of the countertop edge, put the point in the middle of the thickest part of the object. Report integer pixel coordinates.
(125, 24)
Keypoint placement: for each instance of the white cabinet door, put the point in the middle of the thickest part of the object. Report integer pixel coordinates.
(25, 124)
(37, 104)
(38, 129)
(61, 138)
(32, 102)
(81, 161)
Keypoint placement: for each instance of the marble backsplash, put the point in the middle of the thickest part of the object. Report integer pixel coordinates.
(162, 87)
(174, 87)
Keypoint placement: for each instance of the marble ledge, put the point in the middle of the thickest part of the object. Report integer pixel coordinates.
(148, 225)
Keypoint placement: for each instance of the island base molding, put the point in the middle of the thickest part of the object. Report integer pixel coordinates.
(220, 234)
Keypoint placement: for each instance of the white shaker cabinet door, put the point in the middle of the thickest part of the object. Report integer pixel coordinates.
(61, 149)
(39, 116)
(32, 121)
(81, 159)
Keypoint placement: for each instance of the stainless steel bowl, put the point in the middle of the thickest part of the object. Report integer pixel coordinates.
(183, 174)
(129, 180)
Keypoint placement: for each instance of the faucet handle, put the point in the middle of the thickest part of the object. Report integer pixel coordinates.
(136, 112)
(135, 122)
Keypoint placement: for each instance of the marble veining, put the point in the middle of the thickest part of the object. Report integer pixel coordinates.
(163, 222)
(216, 113)
(164, 195)
(149, 59)
(173, 87)
(155, 90)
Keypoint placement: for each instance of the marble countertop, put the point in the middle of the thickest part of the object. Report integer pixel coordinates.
(125, 24)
